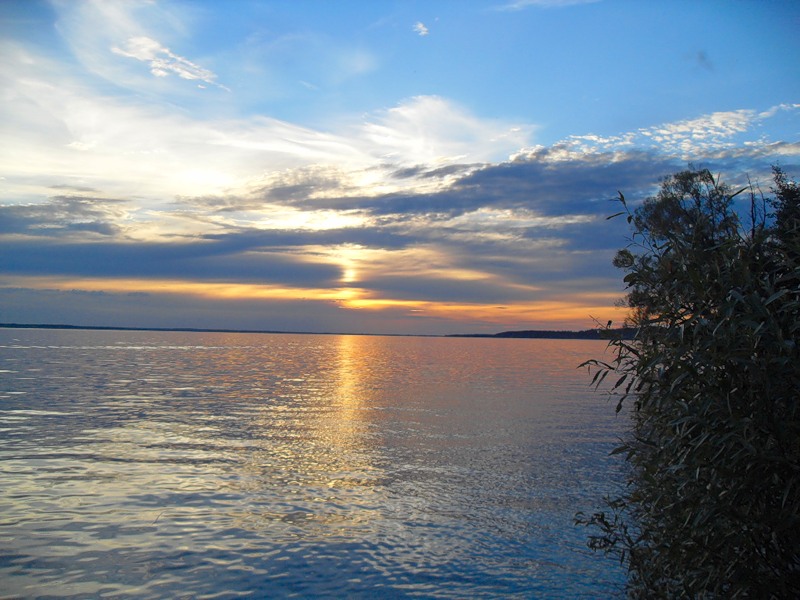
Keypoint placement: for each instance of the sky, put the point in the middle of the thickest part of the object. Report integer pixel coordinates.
(375, 166)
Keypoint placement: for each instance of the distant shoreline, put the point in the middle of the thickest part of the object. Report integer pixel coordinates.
(545, 334)
(586, 334)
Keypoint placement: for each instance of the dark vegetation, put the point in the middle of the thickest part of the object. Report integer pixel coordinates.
(712, 382)
(585, 334)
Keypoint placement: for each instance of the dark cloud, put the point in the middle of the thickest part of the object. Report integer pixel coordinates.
(442, 289)
(530, 229)
(196, 261)
(301, 184)
(63, 215)
(79, 189)
(568, 186)
(538, 182)
(283, 239)
(552, 181)
(425, 172)
(528, 256)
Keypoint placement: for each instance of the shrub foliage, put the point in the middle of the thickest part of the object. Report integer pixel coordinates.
(712, 505)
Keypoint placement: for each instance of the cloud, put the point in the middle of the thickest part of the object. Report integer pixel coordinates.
(423, 211)
(712, 135)
(492, 236)
(183, 261)
(701, 134)
(522, 4)
(526, 234)
(543, 180)
(435, 131)
(98, 33)
(64, 215)
(420, 29)
(44, 303)
(162, 61)
(66, 132)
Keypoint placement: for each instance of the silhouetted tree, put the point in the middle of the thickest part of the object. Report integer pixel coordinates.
(712, 509)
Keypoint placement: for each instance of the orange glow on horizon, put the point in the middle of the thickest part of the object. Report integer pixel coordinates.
(576, 309)
(531, 312)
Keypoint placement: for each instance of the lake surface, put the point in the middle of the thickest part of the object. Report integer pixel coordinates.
(212, 465)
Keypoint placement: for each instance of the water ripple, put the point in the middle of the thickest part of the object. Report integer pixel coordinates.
(169, 465)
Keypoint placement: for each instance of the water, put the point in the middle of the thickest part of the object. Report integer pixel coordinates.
(209, 465)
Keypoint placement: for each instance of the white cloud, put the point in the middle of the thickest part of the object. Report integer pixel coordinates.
(521, 4)
(771, 112)
(713, 132)
(162, 60)
(714, 127)
(420, 28)
(432, 130)
(505, 221)
(59, 130)
(98, 33)
(710, 135)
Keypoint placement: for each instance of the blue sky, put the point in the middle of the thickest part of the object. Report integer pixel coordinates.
(394, 167)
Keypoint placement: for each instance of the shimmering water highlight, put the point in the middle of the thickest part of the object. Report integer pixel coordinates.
(166, 465)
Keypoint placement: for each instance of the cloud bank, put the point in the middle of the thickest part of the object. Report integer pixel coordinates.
(431, 245)
(127, 200)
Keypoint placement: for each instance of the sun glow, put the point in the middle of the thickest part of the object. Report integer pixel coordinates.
(578, 309)
(221, 290)
(529, 312)
(316, 220)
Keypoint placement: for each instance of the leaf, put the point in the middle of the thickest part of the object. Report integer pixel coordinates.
(732, 196)
(620, 381)
(775, 296)
(619, 450)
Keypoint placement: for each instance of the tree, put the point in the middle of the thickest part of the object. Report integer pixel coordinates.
(712, 508)
(787, 213)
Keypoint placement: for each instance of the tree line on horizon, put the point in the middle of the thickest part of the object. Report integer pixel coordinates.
(711, 380)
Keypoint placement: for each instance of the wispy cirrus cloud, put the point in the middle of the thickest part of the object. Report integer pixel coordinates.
(66, 132)
(162, 61)
(433, 130)
(521, 4)
(421, 29)
(101, 35)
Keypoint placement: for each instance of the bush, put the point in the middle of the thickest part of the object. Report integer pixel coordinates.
(712, 506)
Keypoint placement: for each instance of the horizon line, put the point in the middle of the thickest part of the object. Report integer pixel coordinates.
(66, 326)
